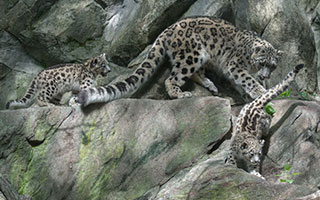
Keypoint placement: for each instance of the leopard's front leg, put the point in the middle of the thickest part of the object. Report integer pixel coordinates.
(242, 79)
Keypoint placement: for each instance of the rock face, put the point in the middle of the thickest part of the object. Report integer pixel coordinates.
(115, 151)
(151, 149)
(16, 68)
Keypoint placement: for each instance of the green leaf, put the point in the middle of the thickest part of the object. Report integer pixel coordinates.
(295, 174)
(287, 167)
(304, 95)
(283, 94)
(269, 109)
(290, 181)
(278, 175)
(286, 94)
(283, 180)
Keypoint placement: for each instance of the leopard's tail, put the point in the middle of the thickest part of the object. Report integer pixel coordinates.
(275, 91)
(27, 99)
(129, 85)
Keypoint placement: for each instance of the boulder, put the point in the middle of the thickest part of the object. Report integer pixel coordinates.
(66, 31)
(155, 149)
(293, 141)
(114, 151)
(17, 69)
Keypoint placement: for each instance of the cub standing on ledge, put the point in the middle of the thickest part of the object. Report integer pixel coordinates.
(253, 122)
(52, 83)
(190, 43)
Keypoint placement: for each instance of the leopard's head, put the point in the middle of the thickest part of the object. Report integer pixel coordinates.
(251, 150)
(99, 65)
(265, 58)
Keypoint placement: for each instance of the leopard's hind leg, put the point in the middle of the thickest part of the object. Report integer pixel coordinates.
(200, 78)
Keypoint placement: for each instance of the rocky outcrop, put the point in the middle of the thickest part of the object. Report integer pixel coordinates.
(17, 68)
(114, 151)
(152, 149)
(142, 148)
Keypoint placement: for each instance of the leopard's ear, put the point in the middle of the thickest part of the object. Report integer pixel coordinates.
(244, 146)
(93, 62)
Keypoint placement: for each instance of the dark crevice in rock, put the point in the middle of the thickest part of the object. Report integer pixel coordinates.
(213, 146)
(274, 128)
(101, 3)
(35, 143)
(297, 117)
(265, 27)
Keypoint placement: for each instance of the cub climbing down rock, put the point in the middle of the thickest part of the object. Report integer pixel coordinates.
(50, 84)
(253, 122)
(190, 43)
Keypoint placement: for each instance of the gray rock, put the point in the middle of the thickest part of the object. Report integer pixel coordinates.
(147, 149)
(293, 140)
(220, 8)
(17, 69)
(210, 179)
(314, 13)
(65, 31)
(114, 151)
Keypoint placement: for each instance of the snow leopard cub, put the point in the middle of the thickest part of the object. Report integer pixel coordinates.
(253, 122)
(50, 84)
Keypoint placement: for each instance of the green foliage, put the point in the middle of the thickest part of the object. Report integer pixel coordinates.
(285, 94)
(286, 175)
(269, 109)
(287, 167)
(304, 95)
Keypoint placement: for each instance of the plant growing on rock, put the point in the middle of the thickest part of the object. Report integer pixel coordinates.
(286, 175)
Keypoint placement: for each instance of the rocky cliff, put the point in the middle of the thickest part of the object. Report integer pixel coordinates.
(141, 148)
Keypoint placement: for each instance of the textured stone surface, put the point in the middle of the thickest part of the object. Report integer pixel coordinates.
(294, 140)
(17, 68)
(147, 149)
(114, 151)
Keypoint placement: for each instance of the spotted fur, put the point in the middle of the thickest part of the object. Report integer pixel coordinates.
(253, 122)
(190, 43)
(50, 84)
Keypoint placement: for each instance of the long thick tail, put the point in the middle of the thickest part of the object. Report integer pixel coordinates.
(27, 99)
(129, 85)
(279, 88)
